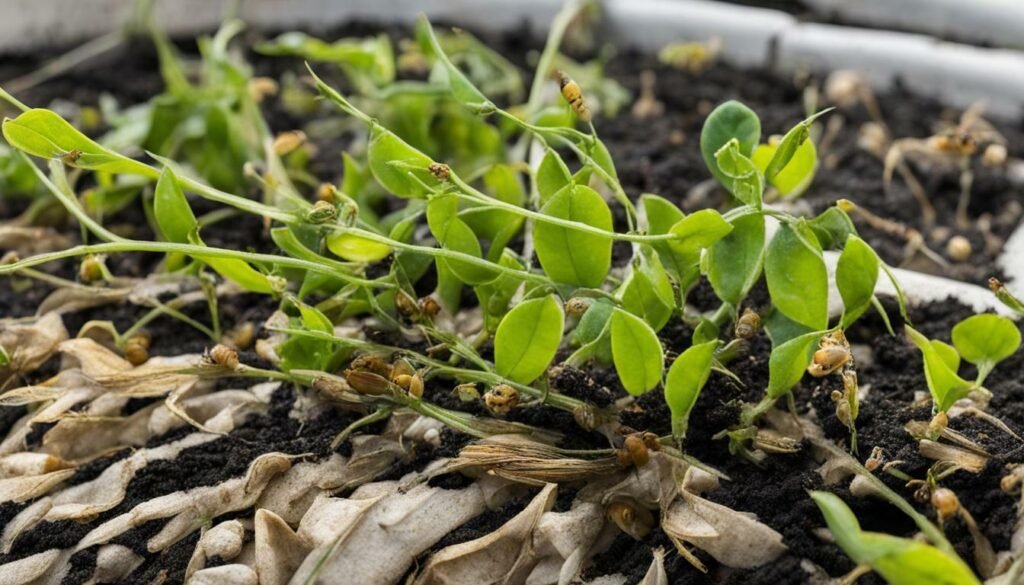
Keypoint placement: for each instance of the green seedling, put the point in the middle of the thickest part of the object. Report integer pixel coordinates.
(1005, 296)
(901, 561)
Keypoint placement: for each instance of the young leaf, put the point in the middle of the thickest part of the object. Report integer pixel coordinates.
(735, 261)
(637, 353)
(570, 256)
(797, 277)
(901, 561)
(685, 380)
(398, 167)
(856, 275)
(454, 234)
(356, 248)
(527, 339)
(832, 226)
(648, 292)
(947, 353)
(173, 214)
(45, 134)
(461, 87)
(793, 180)
(728, 121)
(744, 180)
(944, 384)
(661, 215)
(985, 340)
(552, 176)
(788, 149)
(787, 362)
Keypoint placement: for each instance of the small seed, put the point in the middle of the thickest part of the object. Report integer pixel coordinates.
(875, 459)
(959, 248)
(844, 87)
(467, 392)
(827, 360)
(91, 269)
(261, 87)
(501, 399)
(651, 441)
(635, 521)
(938, 424)
(415, 388)
(243, 335)
(326, 192)
(224, 357)
(406, 305)
(365, 382)
(945, 503)
(287, 142)
(430, 306)
(136, 349)
(994, 156)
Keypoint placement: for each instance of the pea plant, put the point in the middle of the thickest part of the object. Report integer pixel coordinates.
(533, 243)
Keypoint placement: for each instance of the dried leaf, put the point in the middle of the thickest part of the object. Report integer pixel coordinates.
(29, 345)
(279, 551)
(732, 538)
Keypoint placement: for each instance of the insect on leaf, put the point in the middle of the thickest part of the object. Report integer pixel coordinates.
(636, 352)
(685, 380)
(45, 134)
(527, 339)
(571, 256)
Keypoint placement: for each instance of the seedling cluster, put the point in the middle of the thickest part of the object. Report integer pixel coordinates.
(453, 192)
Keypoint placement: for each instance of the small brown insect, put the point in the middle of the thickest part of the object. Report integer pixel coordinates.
(71, 157)
(440, 171)
(223, 356)
(501, 399)
(576, 306)
(748, 324)
(572, 93)
(634, 451)
(136, 349)
(430, 306)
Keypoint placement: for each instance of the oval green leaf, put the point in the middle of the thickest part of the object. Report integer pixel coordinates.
(735, 261)
(527, 339)
(686, 378)
(985, 340)
(728, 121)
(797, 277)
(787, 362)
(636, 352)
(856, 276)
(944, 384)
(571, 256)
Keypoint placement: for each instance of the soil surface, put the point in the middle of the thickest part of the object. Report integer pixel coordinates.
(659, 155)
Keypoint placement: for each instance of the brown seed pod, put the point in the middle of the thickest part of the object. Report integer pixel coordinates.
(415, 388)
(136, 349)
(748, 324)
(501, 399)
(224, 357)
(372, 363)
(572, 93)
(945, 502)
(365, 382)
(441, 171)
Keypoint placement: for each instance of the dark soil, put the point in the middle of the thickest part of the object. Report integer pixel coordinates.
(654, 155)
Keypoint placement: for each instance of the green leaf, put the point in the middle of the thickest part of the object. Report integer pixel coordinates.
(495, 225)
(794, 180)
(901, 561)
(735, 261)
(985, 340)
(398, 167)
(552, 176)
(173, 214)
(372, 56)
(356, 248)
(235, 270)
(461, 87)
(648, 292)
(832, 226)
(947, 353)
(661, 215)
(944, 384)
(494, 297)
(728, 121)
(637, 353)
(454, 234)
(686, 378)
(743, 178)
(4, 358)
(856, 276)
(45, 134)
(570, 256)
(797, 277)
(788, 361)
(528, 338)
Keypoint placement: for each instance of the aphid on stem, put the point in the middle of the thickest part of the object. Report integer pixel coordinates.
(748, 324)
(71, 157)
